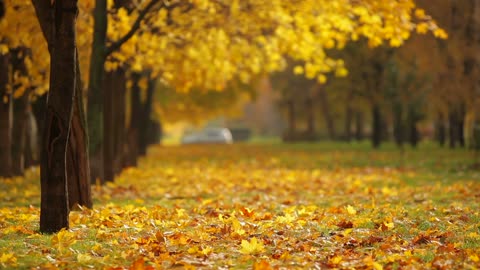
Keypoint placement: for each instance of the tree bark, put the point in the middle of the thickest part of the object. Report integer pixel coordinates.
(145, 121)
(5, 120)
(78, 165)
(376, 126)
(310, 117)
(327, 113)
(359, 124)
(441, 133)
(95, 92)
(119, 106)
(20, 112)
(54, 193)
(108, 127)
(292, 126)
(135, 115)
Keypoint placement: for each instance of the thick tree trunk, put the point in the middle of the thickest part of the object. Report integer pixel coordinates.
(376, 126)
(145, 121)
(95, 93)
(78, 165)
(5, 120)
(54, 194)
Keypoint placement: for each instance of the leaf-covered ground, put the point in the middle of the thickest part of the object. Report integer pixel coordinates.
(261, 207)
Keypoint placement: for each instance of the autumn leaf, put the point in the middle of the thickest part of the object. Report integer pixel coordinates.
(254, 246)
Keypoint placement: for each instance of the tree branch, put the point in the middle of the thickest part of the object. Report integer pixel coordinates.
(136, 25)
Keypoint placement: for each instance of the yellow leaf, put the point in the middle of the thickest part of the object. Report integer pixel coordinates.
(262, 265)
(252, 247)
(377, 266)
(8, 258)
(351, 210)
(474, 257)
(336, 260)
(3, 49)
(83, 258)
(440, 33)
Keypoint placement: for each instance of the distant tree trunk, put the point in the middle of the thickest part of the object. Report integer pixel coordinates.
(440, 130)
(119, 105)
(78, 165)
(108, 127)
(95, 92)
(20, 111)
(5, 120)
(452, 134)
(376, 126)
(398, 124)
(20, 117)
(31, 140)
(38, 109)
(2, 9)
(413, 119)
(135, 116)
(359, 126)
(310, 117)
(348, 119)
(324, 104)
(291, 117)
(145, 121)
(462, 111)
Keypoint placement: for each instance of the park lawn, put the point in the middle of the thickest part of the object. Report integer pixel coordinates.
(265, 206)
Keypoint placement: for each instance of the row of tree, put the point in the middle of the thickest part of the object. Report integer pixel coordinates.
(185, 44)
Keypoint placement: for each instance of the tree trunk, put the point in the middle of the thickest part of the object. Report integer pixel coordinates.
(145, 121)
(108, 127)
(398, 124)
(78, 165)
(376, 126)
(359, 124)
(119, 106)
(310, 117)
(54, 193)
(440, 130)
(348, 121)
(31, 140)
(20, 111)
(291, 117)
(413, 118)
(20, 117)
(322, 94)
(38, 109)
(135, 116)
(452, 129)
(5, 120)
(95, 93)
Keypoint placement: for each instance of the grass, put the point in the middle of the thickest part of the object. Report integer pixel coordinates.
(326, 205)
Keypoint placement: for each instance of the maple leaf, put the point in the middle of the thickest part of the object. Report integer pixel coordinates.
(254, 246)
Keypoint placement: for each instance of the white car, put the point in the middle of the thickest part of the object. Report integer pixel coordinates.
(209, 135)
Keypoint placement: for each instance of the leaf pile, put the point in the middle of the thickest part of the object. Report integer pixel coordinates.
(260, 207)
